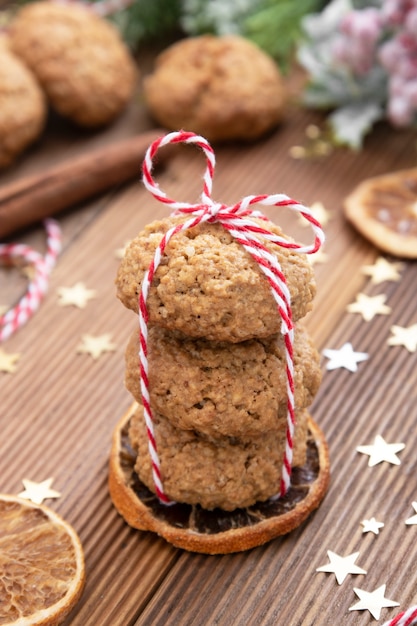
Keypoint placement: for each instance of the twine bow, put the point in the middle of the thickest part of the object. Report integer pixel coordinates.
(237, 221)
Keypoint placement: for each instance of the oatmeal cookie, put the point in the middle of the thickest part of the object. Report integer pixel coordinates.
(79, 59)
(228, 474)
(193, 528)
(223, 389)
(220, 87)
(208, 286)
(22, 107)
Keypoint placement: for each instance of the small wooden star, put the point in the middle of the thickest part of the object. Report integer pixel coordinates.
(381, 451)
(8, 362)
(3, 309)
(96, 346)
(369, 306)
(319, 212)
(344, 357)
(372, 601)
(78, 295)
(371, 526)
(406, 337)
(382, 270)
(412, 520)
(318, 144)
(341, 566)
(38, 492)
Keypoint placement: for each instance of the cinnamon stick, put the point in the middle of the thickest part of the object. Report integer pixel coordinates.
(62, 186)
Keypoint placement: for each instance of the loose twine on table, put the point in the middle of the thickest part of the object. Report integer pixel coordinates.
(406, 618)
(236, 220)
(19, 314)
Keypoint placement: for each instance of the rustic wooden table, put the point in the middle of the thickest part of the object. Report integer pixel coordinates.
(58, 410)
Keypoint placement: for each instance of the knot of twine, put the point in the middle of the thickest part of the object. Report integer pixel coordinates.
(237, 221)
(18, 315)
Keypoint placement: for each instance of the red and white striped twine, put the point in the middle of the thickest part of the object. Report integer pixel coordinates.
(235, 219)
(18, 315)
(406, 618)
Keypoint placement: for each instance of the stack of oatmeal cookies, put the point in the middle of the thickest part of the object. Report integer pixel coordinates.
(217, 365)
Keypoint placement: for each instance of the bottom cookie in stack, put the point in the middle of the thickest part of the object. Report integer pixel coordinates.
(215, 531)
(226, 473)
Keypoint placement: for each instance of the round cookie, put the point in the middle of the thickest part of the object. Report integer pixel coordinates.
(208, 286)
(79, 59)
(220, 87)
(223, 389)
(22, 107)
(217, 532)
(226, 473)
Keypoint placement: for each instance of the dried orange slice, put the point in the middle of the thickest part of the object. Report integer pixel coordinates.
(384, 210)
(41, 564)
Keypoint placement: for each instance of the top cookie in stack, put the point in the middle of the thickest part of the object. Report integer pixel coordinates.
(208, 286)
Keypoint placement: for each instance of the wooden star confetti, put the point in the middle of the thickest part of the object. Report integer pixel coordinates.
(372, 601)
(38, 492)
(96, 346)
(78, 295)
(369, 306)
(381, 451)
(319, 212)
(3, 309)
(371, 526)
(406, 337)
(8, 362)
(382, 270)
(412, 520)
(341, 566)
(318, 144)
(344, 357)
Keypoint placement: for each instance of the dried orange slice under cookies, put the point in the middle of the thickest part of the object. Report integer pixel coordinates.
(41, 564)
(384, 210)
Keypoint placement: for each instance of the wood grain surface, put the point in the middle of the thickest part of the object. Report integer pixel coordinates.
(58, 410)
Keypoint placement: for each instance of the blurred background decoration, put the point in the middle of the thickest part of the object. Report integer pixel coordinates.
(273, 24)
(359, 57)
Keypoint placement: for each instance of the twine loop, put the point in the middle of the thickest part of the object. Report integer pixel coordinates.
(238, 221)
